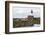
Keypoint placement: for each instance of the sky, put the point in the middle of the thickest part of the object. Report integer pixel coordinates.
(23, 12)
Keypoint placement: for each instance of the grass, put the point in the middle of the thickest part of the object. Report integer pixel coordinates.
(21, 23)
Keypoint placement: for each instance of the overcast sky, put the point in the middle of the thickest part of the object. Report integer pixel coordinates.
(23, 12)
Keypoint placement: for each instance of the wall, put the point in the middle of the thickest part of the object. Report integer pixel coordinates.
(2, 18)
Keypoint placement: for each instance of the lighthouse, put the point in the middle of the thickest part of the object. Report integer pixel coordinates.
(31, 12)
(30, 17)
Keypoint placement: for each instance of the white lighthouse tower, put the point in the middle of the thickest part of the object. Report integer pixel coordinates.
(31, 12)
